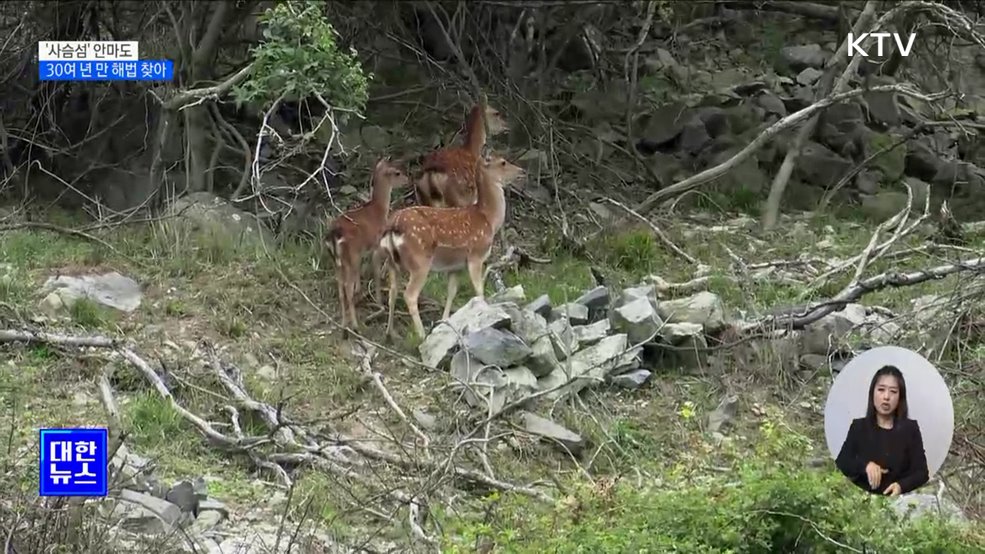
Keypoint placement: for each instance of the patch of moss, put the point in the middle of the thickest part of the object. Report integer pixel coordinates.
(890, 163)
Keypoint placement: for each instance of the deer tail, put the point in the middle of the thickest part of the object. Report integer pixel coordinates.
(390, 242)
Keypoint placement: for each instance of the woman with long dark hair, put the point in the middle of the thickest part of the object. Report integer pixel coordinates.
(883, 452)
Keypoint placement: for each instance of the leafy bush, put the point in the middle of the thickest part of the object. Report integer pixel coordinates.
(299, 57)
(768, 503)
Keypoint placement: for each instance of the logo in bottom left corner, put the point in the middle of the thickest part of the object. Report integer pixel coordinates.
(73, 462)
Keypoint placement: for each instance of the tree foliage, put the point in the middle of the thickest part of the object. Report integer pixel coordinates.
(299, 57)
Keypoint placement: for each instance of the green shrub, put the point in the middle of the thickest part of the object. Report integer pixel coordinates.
(299, 56)
(769, 502)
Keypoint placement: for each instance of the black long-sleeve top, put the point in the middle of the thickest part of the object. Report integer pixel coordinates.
(900, 450)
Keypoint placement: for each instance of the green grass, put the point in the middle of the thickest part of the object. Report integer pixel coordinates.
(763, 502)
(153, 420)
(89, 314)
(565, 279)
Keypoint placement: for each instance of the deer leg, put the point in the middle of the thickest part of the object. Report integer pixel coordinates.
(452, 291)
(377, 263)
(475, 274)
(357, 287)
(392, 300)
(340, 281)
(354, 278)
(415, 284)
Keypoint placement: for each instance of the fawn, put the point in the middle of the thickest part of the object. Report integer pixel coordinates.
(358, 230)
(422, 239)
(449, 176)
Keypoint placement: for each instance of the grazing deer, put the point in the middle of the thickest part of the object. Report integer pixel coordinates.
(358, 230)
(449, 176)
(422, 239)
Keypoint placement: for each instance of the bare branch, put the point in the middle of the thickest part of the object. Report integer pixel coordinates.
(299, 446)
(186, 97)
(861, 259)
(473, 80)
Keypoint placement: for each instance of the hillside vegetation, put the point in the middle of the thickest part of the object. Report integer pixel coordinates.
(709, 317)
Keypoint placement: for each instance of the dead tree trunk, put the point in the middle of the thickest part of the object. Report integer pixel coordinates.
(198, 122)
(187, 111)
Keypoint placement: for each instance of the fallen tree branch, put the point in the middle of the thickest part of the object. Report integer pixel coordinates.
(56, 339)
(806, 9)
(366, 367)
(468, 475)
(257, 460)
(513, 257)
(415, 517)
(898, 221)
(162, 389)
(664, 288)
(851, 293)
(769, 134)
(860, 260)
(300, 445)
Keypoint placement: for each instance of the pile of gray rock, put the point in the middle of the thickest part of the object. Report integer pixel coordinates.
(141, 508)
(503, 350)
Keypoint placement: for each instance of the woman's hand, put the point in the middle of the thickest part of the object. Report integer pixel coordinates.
(874, 472)
(893, 490)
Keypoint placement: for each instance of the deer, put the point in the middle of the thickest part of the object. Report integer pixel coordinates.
(357, 231)
(420, 240)
(448, 176)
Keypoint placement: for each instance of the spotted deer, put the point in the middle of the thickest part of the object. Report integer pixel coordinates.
(422, 239)
(449, 175)
(358, 231)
